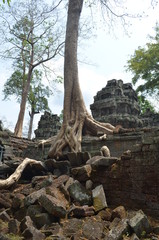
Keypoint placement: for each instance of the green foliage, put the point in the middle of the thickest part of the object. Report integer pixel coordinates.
(38, 94)
(144, 65)
(8, 1)
(145, 104)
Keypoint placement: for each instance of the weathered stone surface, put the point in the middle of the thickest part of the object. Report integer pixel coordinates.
(82, 173)
(79, 194)
(60, 194)
(18, 201)
(117, 232)
(62, 166)
(5, 200)
(20, 213)
(139, 223)
(99, 199)
(33, 197)
(75, 159)
(53, 205)
(39, 182)
(29, 231)
(93, 230)
(48, 126)
(104, 162)
(89, 185)
(105, 214)
(13, 226)
(119, 212)
(4, 216)
(34, 210)
(72, 228)
(84, 211)
(43, 219)
(117, 103)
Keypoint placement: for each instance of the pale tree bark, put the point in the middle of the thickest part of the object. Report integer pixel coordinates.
(19, 125)
(76, 117)
(12, 179)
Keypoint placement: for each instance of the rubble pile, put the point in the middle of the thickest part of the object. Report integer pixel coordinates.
(62, 202)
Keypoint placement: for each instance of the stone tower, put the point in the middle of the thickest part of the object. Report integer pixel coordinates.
(117, 104)
(48, 126)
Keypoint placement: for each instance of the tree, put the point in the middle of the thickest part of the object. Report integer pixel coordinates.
(33, 37)
(145, 104)
(8, 1)
(38, 102)
(144, 65)
(37, 96)
(76, 119)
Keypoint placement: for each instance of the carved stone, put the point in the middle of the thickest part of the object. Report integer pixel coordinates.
(117, 104)
(48, 126)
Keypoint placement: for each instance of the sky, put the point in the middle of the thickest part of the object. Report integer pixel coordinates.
(105, 55)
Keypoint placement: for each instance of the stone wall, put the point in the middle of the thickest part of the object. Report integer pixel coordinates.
(134, 180)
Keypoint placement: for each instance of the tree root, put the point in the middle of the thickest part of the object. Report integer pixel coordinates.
(71, 134)
(4, 184)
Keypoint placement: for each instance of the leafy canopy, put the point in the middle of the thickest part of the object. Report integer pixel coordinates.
(144, 65)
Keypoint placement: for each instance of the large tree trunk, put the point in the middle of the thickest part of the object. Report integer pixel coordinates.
(19, 125)
(76, 117)
(31, 123)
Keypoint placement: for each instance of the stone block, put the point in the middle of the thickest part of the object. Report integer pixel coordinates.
(52, 205)
(79, 193)
(82, 173)
(139, 223)
(117, 232)
(99, 199)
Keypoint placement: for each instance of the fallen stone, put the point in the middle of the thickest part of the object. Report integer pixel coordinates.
(18, 201)
(93, 159)
(20, 213)
(29, 231)
(60, 194)
(72, 227)
(43, 219)
(52, 205)
(117, 232)
(33, 197)
(84, 211)
(104, 162)
(39, 182)
(60, 180)
(5, 201)
(4, 216)
(139, 223)
(99, 199)
(89, 184)
(13, 226)
(92, 229)
(119, 212)
(62, 166)
(75, 159)
(105, 214)
(79, 193)
(82, 173)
